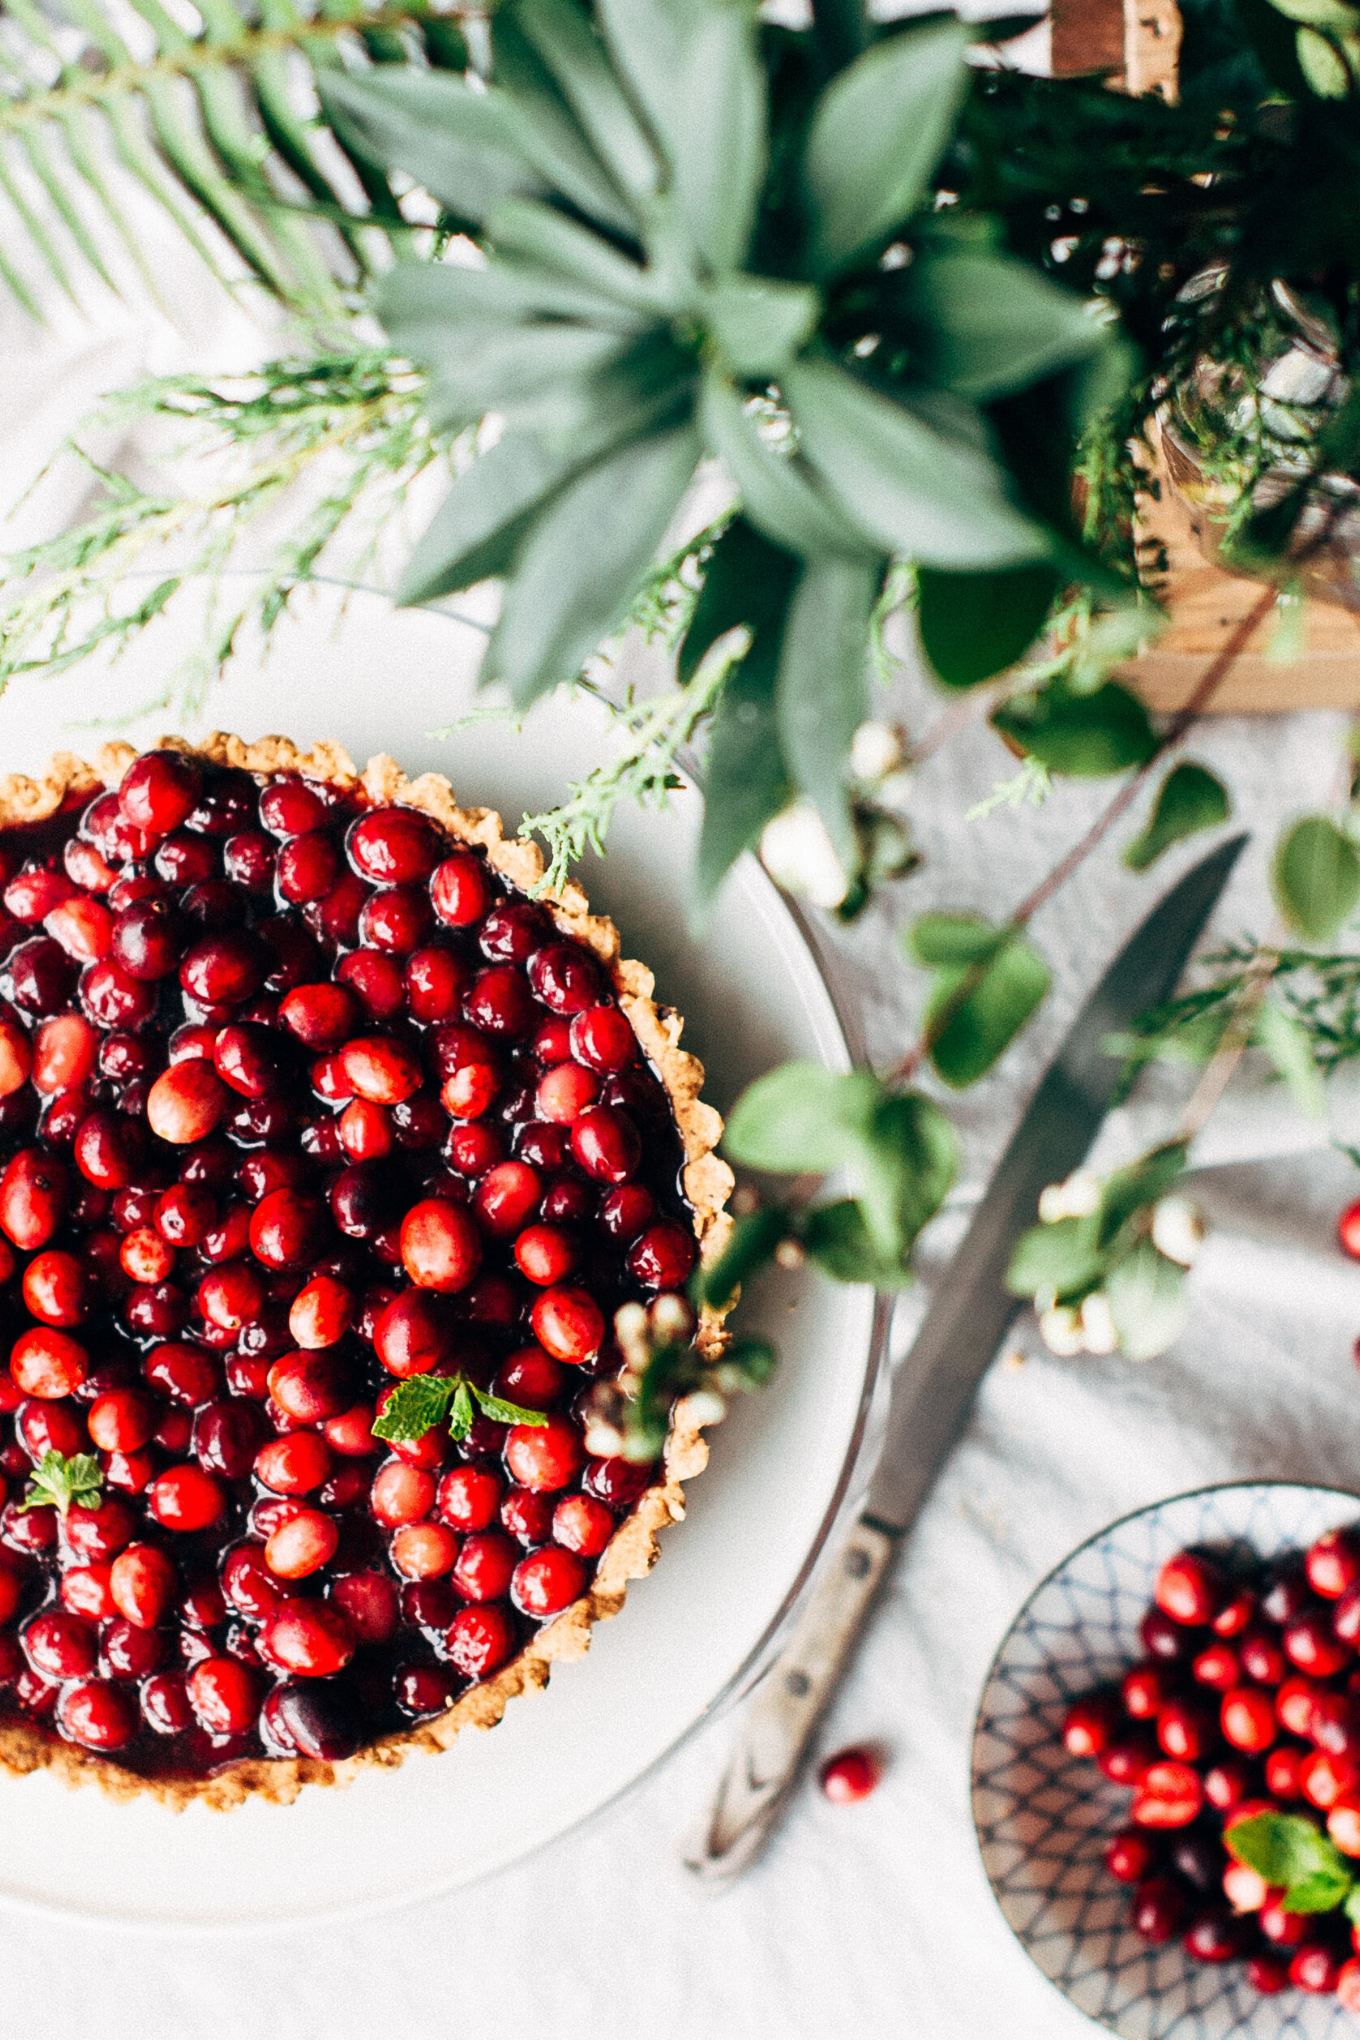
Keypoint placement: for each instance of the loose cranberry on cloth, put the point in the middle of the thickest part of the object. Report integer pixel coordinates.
(304, 1107)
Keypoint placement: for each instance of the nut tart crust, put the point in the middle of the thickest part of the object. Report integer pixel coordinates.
(64, 789)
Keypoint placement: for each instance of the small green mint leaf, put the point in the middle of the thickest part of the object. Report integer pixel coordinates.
(415, 1406)
(1320, 1892)
(462, 1415)
(1289, 1851)
(502, 1412)
(57, 1482)
(1351, 1905)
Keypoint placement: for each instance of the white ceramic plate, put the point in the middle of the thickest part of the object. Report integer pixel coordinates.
(379, 680)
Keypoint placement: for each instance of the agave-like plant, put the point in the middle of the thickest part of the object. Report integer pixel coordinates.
(702, 238)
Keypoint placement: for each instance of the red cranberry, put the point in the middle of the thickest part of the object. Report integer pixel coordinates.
(460, 890)
(33, 895)
(376, 980)
(287, 1229)
(1286, 1593)
(530, 1379)
(486, 1563)
(500, 1003)
(33, 1198)
(60, 1646)
(226, 1438)
(318, 1721)
(583, 1525)
(548, 1581)
(1332, 1563)
(165, 1704)
(129, 1652)
(1310, 1644)
(1130, 1856)
(545, 1457)
(48, 1363)
(1190, 1588)
(309, 1638)
(395, 921)
(1283, 1766)
(112, 997)
(627, 1211)
(49, 1427)
(1217, 1936)
(248, 860)
(424, 1551)
(413, 1335)
(1169, 1795)
(64, 1051)
(602, 1039)
(440, 1247)
(42, 976)
(371, 1602)
(186, 1498)
(187, 1101)
(54, 1288)
(1248, 1719)
(1262, 1659)
(143, 1584)
(97, 1715)
(620, 1482)
(435, 982)
(321, 1016)
(302, 1545)
(393, 846)
(381, 1069)
(480, 1640)
(568, 1324)
(159, 790)
(664, 1257)
(1185, 1728)
(224, 1695)
(1324, 1778)
(422, 1690)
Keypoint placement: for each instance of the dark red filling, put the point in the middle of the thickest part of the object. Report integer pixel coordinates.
(297, 1097)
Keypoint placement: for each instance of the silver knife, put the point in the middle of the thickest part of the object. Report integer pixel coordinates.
(937, 1381)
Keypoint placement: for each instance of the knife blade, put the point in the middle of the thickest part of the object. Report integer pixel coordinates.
(935, 1384)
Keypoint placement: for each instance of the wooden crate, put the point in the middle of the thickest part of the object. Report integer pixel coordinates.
(1137, 43)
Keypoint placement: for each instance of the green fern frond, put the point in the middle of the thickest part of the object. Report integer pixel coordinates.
(220, 126)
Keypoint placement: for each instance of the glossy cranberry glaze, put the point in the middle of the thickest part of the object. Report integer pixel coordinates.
(297, 1099)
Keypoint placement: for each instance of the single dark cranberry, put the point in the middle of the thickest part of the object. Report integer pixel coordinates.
(1092, 1723)
(1286, 1592)
(227, 1436)
(335, 919)
(1162, 1638)
(423, 1690)
(1199, 1857)
(565, 977)
(224, 969)
(460, 890)
(307, 868)
(317, 1718)
(500, 1002)
(129, 1652)
(513, 931)
(1315, 1968)
(394, 846)
(290, 806)
(248, 860)
(664, 1257)
(1159, 1909)
(620, 1482)
(41, 975)
(1311, 1643)
(1130, 1856)
(165, 1704)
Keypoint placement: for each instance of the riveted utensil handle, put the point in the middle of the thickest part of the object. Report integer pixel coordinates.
(787, 1706)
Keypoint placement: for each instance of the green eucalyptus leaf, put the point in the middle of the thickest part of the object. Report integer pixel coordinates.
(465, 147)
(984, 325)
(550, 136)
(904, 1172)
(1317, 878)
(1188, 800)
(717, 138)
(780, 494)
(877, 133)
(1082, 735)
(648, 45)
(564, 598)
(1058, 1260)
(1147, 1301)
(1125, 1191)
(837, 1239)
(929, 495)
(976, 1010)
(750, 1245)
(975, 625)
(1285, 1040)
(801, 1117)
(941, 941)
(822, 689)
(570, 47)
(758, 323)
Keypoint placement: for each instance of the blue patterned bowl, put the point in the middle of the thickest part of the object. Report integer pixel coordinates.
(1043, 1818)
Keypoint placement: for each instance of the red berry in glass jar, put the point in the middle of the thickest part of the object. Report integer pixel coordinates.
(1217, 1667)
(548, 1581)
(1315, 1968)
(97, 1715)
(311, 1639)
(1217, 1936)
(1190, 1589)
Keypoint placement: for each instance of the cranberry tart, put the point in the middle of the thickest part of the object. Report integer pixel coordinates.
(327, 1154)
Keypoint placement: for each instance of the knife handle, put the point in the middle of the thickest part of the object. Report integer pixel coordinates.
(779, 1723)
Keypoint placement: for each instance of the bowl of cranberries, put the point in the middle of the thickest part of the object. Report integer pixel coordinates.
(1166, 1768)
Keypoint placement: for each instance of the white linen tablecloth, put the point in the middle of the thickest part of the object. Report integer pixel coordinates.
(873, 1918)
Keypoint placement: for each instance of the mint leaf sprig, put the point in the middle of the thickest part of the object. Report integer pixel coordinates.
(630, 1416)
(57, 1482)
(416, 1405)
(1297, 1858)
